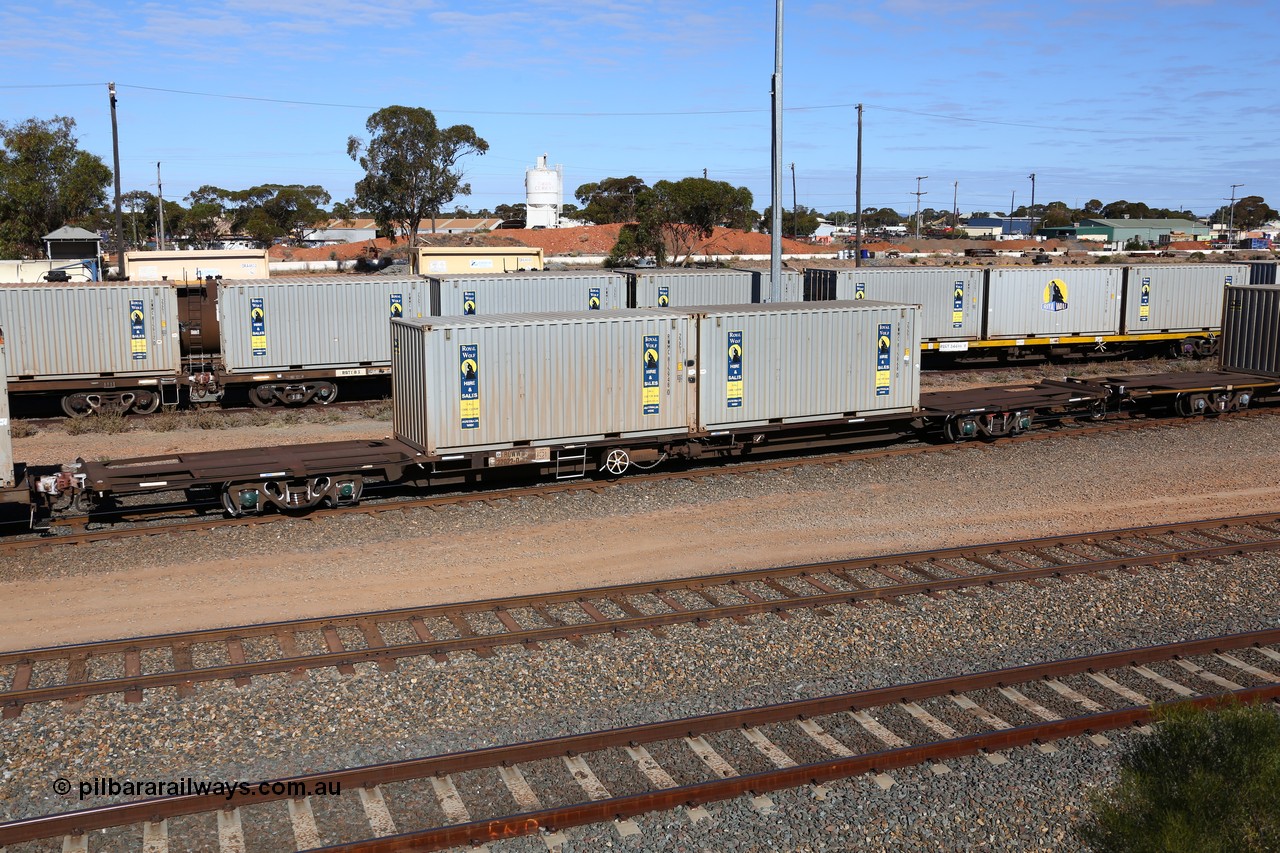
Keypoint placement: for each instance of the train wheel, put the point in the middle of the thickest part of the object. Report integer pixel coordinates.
(616, 462)
(1191, 405)
(262, 397)
(145, 402)
(78, 405)
(326, 393)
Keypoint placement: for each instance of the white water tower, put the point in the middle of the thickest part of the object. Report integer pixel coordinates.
(544, 195)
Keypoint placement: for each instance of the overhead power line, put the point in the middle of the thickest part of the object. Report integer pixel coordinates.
(571, 114)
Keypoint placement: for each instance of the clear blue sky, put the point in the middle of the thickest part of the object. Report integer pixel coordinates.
(1164, 102)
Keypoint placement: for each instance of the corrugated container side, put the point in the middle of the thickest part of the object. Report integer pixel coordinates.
(678, 288)
(527, 293)
(1251, 330)
(87, 331)
(762, 285)
(314, 323)
(6, 434)
(1177, 297)
(408, 388)
(504, 381)
(1262, 272)
(804, 362)
(951, 300)
(1053, 302)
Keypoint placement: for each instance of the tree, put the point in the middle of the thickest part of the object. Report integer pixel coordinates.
(1092, 207)
(507, 212)
(611, 200)
(1250, 213)
(1205, 782)
(796, 226)
(411, 167)
(207, 213)
(46, 182)
(683, 213)
(879, 217)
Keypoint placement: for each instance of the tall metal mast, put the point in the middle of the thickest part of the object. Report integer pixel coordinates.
(775, 224)
(115, 151)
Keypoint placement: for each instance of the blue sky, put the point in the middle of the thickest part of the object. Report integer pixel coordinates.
(1164, 102)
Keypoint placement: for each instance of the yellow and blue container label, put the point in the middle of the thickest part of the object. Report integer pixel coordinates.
(652, 392)
(957, 306)
(1055, 295)
(257, 326)
(860, 290)
(733, 388)
(1144, 301)
(397, 305)
(593, 299)
(664, 296)
(884, 350)
(469, 394)
(469, 303)
(137, 330)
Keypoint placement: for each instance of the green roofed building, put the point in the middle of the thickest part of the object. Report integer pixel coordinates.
(1121, 231)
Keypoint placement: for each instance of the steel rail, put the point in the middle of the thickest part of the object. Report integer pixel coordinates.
(620, 808)
(143, 529)
(156, 809)
(14, 700)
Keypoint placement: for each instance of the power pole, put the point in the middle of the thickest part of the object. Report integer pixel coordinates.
(159, 211)
(857, 237)
(795, 207)
(955, 206)
(1231, 229)
(917, 194)
(775, 225)
(1032, 211)
(704, 173)
(115, 151)
(1012, 195)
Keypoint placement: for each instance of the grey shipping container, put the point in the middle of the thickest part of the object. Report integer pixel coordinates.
(682, 287)
(1251, 330)
(951, 300)
(762, 285)
(1177, 297)
(314, 323)
(6, 433)
(1032, 302)
(527, 293)
(84, 331)
(540, 380)
(797, 362)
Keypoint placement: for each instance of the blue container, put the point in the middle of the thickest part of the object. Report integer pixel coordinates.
(866, 253)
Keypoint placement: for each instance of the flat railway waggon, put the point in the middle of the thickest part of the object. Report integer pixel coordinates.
(597, 393)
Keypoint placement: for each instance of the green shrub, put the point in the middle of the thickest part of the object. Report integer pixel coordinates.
(22, 429)
(377, 410)
(1205, 782)
(166, 421)
(104, 422)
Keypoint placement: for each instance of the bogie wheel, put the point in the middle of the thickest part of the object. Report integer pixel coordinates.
(77, 405)
(616, 462)
(146, 402)
(262, 397)
(326, 393)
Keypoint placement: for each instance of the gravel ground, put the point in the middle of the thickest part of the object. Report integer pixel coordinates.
(275, 727)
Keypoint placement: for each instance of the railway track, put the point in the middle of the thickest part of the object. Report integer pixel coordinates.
(183, 660)
(177, 518)
(543, 787)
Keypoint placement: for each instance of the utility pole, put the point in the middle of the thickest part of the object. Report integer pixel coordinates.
(159, 211)
(955, 206)
(1012, 195)
(917, 194)
(857, 237)
(704, 173)
(775, 225)
(1032, 211)
(1231, 229)
(795, 206)
(115, 151)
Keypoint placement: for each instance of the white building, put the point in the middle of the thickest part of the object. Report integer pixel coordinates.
(544, 195)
